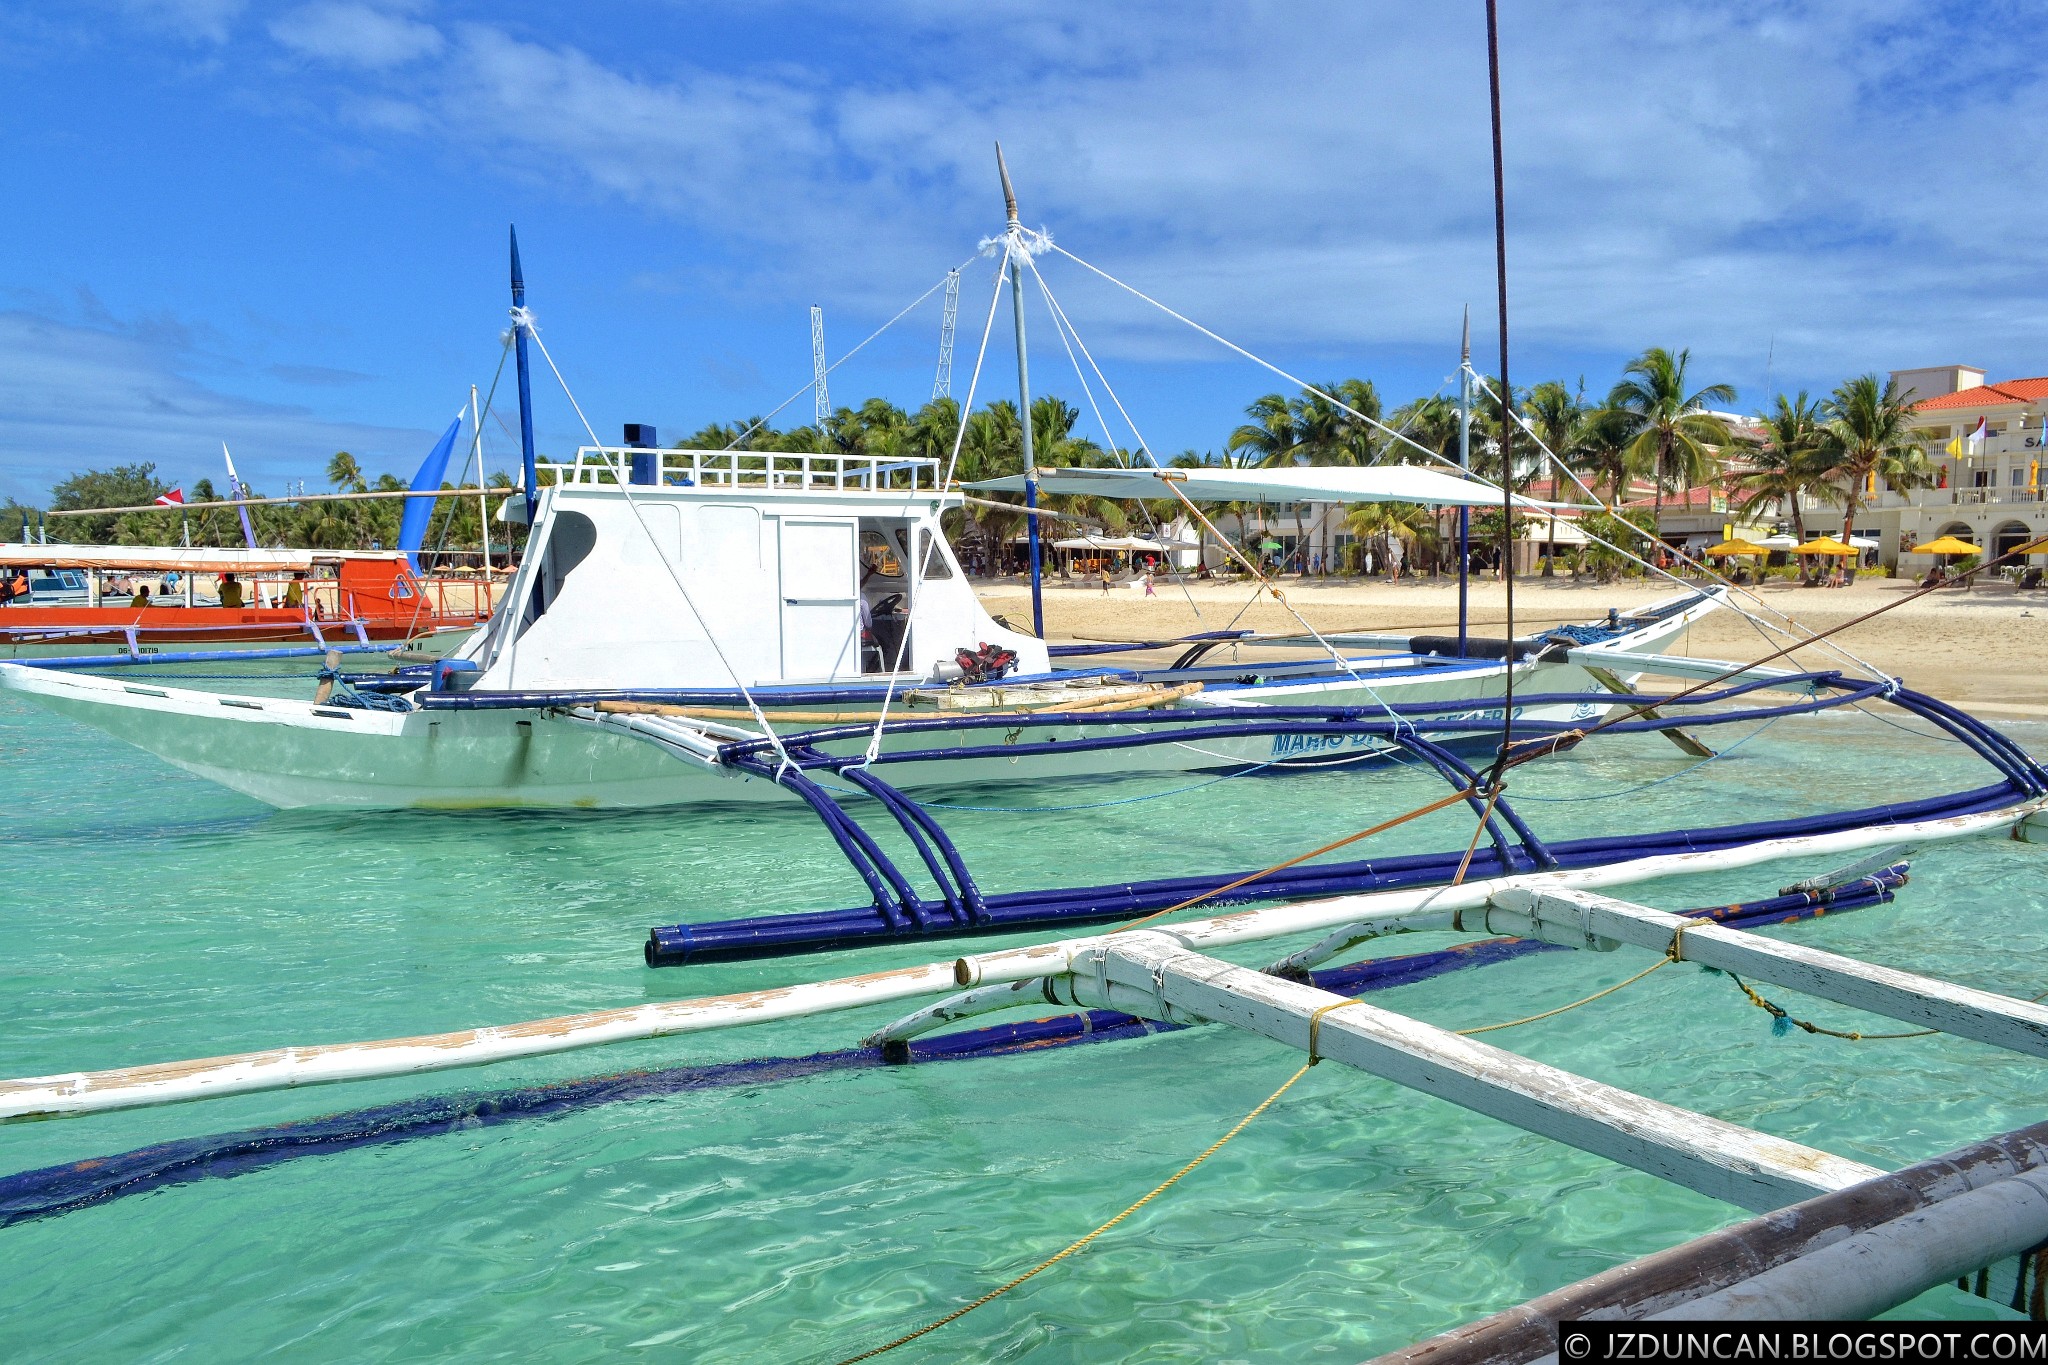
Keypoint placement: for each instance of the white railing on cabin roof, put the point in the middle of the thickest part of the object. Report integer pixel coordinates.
(741, 469)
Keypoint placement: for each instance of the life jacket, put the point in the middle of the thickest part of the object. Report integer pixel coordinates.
(985, 664)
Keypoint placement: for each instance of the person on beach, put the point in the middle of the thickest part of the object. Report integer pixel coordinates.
(1105, 580)
(1148, 586)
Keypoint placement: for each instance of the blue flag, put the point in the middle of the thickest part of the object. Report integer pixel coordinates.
(412, 526)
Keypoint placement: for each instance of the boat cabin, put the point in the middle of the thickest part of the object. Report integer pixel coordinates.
(685, 568)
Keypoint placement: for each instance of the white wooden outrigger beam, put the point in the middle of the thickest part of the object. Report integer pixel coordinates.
(1583, 919)
(1153, 976)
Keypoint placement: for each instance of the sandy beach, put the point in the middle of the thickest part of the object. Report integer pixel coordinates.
(1987, 646)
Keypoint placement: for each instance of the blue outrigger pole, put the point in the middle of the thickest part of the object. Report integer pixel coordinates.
(1016, 241)
(519, 328)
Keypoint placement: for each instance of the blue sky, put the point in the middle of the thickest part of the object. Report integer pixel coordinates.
(282, 226)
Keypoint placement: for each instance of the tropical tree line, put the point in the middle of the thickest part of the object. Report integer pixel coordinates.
(1656, 427)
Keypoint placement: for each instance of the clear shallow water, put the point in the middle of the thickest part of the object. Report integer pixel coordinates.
(150, 916)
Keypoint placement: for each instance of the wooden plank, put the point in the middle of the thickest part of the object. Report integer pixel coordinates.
(1575, 917)
(1684, 741)
(1152, 975)
(1667, 1280)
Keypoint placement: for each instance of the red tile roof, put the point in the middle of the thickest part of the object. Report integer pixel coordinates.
(1701, 497)
(2005, 391)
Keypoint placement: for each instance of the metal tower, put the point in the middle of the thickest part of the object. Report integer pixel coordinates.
(943, 388)
(818, 365)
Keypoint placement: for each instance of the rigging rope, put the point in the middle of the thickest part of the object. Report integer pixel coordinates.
(1065, 328)
(759, 422)
(674, 574)
(1081, 1244)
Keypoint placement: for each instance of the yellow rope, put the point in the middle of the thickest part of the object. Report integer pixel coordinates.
(1658, 965)
(1466, 862)
(1384, 825)
(1157, 1190)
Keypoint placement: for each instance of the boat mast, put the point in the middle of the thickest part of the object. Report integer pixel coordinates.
(520, 324)
(1464, 463)
(1015, 235)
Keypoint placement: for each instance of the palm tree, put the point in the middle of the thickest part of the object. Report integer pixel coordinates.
(1790, 465)
(1554, 412)
(1431, 423)
(1869, 432)
(1385, 521)
(1598, 451)
(1672, 436)
(346, 474)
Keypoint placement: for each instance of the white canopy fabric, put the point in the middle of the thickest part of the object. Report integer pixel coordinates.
(1776, 542)
(1861, 543)
(1301, 483)
(186, 559)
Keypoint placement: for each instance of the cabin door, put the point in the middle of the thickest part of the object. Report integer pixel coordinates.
(820, 617)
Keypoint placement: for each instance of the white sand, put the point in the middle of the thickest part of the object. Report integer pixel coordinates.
(1987, 646)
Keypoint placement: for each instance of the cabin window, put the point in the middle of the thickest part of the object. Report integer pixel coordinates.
(936, 564)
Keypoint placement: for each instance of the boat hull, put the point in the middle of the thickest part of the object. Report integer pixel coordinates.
(297, 754)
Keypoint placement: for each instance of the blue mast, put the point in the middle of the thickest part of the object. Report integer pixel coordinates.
(1016, 238)
(519, 329)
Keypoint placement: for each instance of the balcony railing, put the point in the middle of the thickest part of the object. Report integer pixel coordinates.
(741, 469)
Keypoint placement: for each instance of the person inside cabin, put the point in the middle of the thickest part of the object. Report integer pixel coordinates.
(230, 592)
(295, 592)
(141, 598)
(17, 586)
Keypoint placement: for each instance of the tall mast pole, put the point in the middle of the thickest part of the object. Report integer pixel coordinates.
(1507, 394)
(1014, 235)
(520, 324)
(1464, 462)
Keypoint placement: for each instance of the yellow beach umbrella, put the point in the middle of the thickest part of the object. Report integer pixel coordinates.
(1824, 545)
(1946, 545)
(1738, 546)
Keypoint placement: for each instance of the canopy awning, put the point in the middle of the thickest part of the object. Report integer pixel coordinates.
(1301, 483)
(183, 558)
(1738, 546)
(1779, 542)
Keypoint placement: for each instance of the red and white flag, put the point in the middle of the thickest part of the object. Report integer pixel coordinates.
(1976, 435)
(174, 498)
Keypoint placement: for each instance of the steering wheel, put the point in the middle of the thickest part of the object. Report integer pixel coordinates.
(889, 605)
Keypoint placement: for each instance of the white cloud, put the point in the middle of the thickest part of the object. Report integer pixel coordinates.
(81, 395)
(208, 21)
(356, 35)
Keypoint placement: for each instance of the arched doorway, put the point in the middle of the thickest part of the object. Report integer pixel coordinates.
(2009, 536)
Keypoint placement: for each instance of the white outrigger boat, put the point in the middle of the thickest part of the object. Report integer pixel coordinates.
(722, 597)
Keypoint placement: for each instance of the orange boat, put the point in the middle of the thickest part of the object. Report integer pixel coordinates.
(289, 598)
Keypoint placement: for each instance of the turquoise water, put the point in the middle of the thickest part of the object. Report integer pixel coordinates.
(150, 916)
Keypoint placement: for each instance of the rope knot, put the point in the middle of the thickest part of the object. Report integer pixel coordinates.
(1315, 1028)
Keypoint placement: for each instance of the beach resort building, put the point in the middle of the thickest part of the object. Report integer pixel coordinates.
(1985, 441)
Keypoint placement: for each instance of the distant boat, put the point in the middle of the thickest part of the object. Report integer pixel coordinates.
(345, 596)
